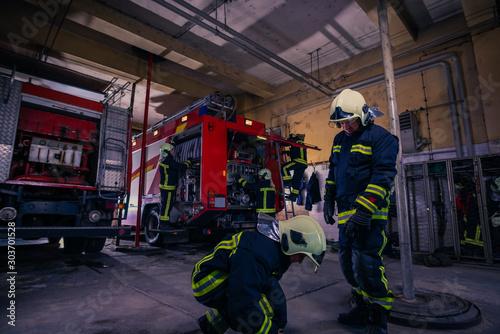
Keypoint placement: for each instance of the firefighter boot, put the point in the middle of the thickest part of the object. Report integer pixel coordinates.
(205, 326)
(377, 320)
(357, 316)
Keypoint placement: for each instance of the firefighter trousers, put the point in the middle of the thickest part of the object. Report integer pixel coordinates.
(361, 263)
(167, 203)
(298, 173)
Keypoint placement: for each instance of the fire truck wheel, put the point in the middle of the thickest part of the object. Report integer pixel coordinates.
(94, 245)
(153, 223)
(74, 245)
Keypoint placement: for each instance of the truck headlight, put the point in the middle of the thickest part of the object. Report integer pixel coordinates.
(8, 213)
(94, 216)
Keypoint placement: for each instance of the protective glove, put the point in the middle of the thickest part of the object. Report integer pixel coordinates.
(329, 207)
(359, 224)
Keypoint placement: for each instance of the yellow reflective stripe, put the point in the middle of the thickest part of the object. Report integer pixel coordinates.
(302, 161)
(167, 187)
(268, 312)
(330, 182)
(367, 204)
(286, 174)
(382, 214)
(336, 149)
(344, 216)
(367, 150)
(165, 214)
(217, 321)
(231, 244)
(266, 210)
(208, 283)
(373, 188)
(386, 302)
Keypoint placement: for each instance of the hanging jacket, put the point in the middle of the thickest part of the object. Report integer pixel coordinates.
(313, 193)
(265, 194)
(299, 154)
(362, 169)
(242, 270)
(169, 169)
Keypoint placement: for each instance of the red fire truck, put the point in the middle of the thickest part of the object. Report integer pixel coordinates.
(208, 200)
(63, 170)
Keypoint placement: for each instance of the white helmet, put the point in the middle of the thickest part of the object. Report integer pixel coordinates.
(349, 105)
(265, 173)
(165, 148)
(303, 234)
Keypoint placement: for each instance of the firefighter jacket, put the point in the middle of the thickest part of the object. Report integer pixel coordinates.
(299, 154)
(240, 277)
(362, 169)
(265, 194)
(169, 169)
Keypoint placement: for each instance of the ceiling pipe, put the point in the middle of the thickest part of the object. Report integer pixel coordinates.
(415, 68)
(245, 47)
(252, 43)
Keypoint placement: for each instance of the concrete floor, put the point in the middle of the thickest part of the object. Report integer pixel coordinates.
(147, 290)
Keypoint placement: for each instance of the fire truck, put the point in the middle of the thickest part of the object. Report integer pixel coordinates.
(63, 167)
(219, 143)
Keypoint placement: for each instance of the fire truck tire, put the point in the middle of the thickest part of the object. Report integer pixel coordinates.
(94, 245)
(153, 223)
(74, 245)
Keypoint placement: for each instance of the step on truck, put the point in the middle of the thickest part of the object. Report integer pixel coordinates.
(63, 167)
(208, 200)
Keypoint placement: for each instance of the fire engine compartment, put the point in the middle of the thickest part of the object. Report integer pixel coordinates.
(246, 154)
(54, 147)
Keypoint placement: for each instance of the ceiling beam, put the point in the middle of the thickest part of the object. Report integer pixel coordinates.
(401, 34)
(161, 43)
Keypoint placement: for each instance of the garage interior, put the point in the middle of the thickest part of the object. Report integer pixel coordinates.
(284, 61)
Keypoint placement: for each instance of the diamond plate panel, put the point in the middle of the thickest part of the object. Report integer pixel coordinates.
(113, 170)
(8, 115)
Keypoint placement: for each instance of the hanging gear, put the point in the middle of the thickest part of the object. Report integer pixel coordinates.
(348, 106)
(303, 234)
(496, 185)
(358, 315)
(165, 149)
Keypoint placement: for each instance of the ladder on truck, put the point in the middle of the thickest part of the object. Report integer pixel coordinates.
(287, 190)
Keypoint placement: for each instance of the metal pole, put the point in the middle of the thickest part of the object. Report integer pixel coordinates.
(143, 154)
(392, 107)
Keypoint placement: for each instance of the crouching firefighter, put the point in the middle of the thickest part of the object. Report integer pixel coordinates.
(238, 279)
(169, 169)
(362, 169)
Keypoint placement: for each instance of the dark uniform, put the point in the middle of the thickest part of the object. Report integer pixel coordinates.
(362, 168)
(238, 280)
(265, 193)
(169, 169)
(298, 163)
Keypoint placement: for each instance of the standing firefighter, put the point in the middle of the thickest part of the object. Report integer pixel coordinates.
(169, 169)
(264, 191)
(298, 163)
(238, 280)
(362, 168)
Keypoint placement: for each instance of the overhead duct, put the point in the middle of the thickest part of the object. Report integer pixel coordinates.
(251, 47)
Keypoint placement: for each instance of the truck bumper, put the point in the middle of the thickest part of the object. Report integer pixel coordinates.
(39, 232)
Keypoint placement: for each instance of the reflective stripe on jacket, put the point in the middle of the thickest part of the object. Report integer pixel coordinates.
(362, 169)
(242, 270)
(169, 169)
